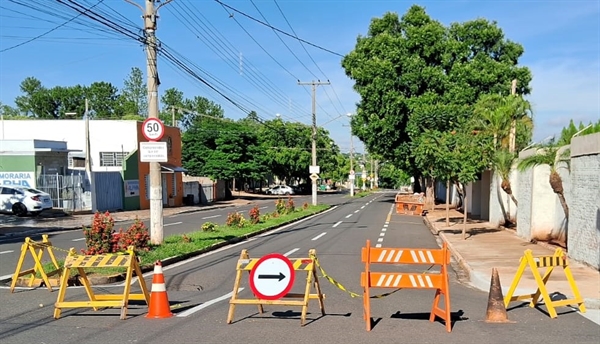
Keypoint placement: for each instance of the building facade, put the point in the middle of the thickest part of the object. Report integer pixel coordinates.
(113, 149)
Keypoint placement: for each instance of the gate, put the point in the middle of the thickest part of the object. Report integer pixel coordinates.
(68, 192)
(206, 193)
(108, 188)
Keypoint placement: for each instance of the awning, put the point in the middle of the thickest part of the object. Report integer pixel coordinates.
(168, 168)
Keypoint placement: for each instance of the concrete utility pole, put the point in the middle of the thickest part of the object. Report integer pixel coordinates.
(314, 85)
(352, 165)
(512, 137)
(150, 15)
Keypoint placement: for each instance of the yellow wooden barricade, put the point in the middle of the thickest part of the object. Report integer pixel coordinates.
(548, 262)
(31, 246)
(245, 263)
(114, 260)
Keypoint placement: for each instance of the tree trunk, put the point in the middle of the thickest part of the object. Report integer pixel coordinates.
(429, 193)
(464, 231)
(447, 203)
(563, 203)
(557, 187)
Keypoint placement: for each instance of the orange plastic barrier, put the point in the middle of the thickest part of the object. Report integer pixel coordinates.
(409, 204)
(438, 281)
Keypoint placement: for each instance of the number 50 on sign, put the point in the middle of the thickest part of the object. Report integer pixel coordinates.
(153, 129)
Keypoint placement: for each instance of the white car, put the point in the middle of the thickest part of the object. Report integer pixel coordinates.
(20, 200)
(280, 190)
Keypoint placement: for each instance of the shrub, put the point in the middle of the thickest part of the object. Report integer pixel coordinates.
(290, 207)
(99, 236)
(305, 206)
(137, 235)
(280, 206)
(254, 214)
(235, 219)
(208, 227)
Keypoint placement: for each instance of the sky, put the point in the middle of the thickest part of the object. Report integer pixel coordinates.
(259, 69)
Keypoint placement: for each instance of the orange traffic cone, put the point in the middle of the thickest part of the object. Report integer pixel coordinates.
(496, 312)
(159, 302)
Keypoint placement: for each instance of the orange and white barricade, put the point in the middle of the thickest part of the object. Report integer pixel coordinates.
(408, 280)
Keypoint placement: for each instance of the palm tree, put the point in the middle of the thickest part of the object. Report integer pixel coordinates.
(503, 162)
(550, 154)
(492, 117)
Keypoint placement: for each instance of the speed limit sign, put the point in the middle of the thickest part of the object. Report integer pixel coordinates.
(153, 129)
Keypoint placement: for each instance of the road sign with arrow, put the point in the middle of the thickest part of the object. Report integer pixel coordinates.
(272, 277)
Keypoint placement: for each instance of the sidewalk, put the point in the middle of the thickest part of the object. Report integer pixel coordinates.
(27, 225)
(487, 247)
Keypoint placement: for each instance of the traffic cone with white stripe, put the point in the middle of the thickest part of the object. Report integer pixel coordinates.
(159, 302)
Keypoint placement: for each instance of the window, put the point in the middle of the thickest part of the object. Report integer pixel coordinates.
(174, 181)
(108, 159)
(7, 191)
(76, 162)
(147, 185)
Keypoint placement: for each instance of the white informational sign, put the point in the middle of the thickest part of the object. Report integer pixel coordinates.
(132, 188)
(153, 152)
(272, 277)
(22, 179)
(314, 170)
(153, 129)
(351, 177)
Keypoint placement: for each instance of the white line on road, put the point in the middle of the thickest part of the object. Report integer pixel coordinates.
(80, 239)
(172, 224)
(380, 240)
(384, 229)
(386, 224)
(290, 252)
(356, 211)
(206, 304)
(6, 276)
(210, 217)
(265, 207)
(363, 207)
(337, 224)
(318, 236)
(382, 234)
(3, 252)
(347, 216)
(378, 245)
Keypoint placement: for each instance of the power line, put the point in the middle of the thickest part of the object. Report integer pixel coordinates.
(278, 30)
(49, 31)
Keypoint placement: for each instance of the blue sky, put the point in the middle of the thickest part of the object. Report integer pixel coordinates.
(561, 40)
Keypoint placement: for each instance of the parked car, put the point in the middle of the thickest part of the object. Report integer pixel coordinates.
(280, 190)
(303, 189)
(20, 200)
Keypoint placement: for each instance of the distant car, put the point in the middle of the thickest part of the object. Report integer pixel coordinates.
(20, 200)
(303, 189)
(280, 190)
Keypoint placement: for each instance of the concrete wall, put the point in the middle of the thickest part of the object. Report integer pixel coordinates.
(584, 211)
(501, 206)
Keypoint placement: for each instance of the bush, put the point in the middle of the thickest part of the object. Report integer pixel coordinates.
(280, 206)
(99, 237)
(235, 219)
(254, 214)
(208, 227)
(137, 235)
(290, 207)
(305, 206)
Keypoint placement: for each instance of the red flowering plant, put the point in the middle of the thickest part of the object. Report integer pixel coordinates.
(290, 207)
(99, 236)
(254, 214)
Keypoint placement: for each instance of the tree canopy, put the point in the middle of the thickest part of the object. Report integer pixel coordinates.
(416, 76)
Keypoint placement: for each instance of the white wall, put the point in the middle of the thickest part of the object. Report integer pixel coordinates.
(105, 135)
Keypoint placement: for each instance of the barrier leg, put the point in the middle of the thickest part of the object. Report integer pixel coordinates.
(319, 293)
(542, 290)
(306, 298)
(61, 292)
(513, 286)
(574, 288)
(87, 286)
(366, 292)
(37, 258)
(536, 296)
(19, 266)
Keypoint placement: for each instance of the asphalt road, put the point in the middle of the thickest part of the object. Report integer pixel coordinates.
(10, 247)
(199, 288)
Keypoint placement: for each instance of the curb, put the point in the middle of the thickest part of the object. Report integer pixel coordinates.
(69, 228)
(478, 281)
(104, 280)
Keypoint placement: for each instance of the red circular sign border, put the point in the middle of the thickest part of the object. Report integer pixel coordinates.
(160, 123)
(290, 283)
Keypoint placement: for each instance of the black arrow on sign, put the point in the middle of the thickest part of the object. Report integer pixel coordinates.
(277, 277)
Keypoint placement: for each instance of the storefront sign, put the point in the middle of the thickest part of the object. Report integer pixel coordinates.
(22, 179)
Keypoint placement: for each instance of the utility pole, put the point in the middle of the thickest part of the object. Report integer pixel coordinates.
(173, 123)
(364, 171)
(371, 175)
(512, 138)
(351, 165)
(150, 15)
(314, 166)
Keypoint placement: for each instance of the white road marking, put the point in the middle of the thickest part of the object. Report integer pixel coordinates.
(380, 240)
(378, 245)
(206, 304)
(384, 229)
(80, 239)
(385, 225)
(3, 252)
(382, 234)
(290, 252)
(6, 276)
(347, 216)
(363, 207)
(356, 211)
(337, 224)
(318, 236)
(172, 224)
(265, 207)
(210, 217)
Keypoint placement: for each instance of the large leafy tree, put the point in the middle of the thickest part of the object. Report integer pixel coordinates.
(104, 100)
(134, 95)
(413, 75)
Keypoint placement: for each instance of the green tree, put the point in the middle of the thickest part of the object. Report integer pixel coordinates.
(9, 112)
(134, 95)
(172, 98)
(35, 100)
(567, 132)
(413, 74)
(103, 98)
(201, 110)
